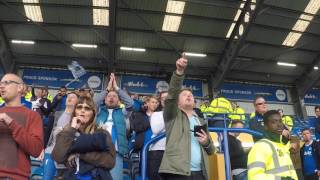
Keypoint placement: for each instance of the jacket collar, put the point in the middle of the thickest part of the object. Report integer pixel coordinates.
(276, 137)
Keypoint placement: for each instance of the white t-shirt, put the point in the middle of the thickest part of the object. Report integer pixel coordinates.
(157, 127)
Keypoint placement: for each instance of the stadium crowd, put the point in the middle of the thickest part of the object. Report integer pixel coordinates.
(79, 134)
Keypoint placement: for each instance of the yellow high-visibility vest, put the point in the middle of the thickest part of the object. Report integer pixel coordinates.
(287, 120)
(219, 106)
(268, 160)
(238, 114)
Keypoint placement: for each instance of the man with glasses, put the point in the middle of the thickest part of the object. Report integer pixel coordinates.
(21, 133)
(315, 122)
(256, 118)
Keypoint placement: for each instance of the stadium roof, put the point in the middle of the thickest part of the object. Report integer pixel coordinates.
(147, 36)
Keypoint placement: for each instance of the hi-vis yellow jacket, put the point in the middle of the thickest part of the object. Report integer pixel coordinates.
(287, 120)
(268, 160)
(237, 114)
(218, 106)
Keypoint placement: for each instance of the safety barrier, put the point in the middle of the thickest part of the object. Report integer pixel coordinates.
(218, 130)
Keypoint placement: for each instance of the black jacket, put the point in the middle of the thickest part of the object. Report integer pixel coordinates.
(238, 157)
(139, 123)
(315, 153)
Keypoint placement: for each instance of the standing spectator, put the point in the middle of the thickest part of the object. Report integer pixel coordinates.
(40, 103)
(49, 169)
(286, 120)
(238, 157)
(269, 158)
(24, 100)
(219, 109)
(237, 112)
(87, 151)
(59, 101)
(310, 156)
(256, 118)
(315, 122)
(140, 123)
(156, 150)
(113, 118)
(186, 156)
(21, 133)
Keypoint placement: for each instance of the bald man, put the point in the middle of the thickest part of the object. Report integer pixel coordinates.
(21, 133)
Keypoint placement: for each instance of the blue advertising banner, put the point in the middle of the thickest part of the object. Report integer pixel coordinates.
(58, 78)
(195, 85)
(149, 85)
(237, 91)
(312, 97)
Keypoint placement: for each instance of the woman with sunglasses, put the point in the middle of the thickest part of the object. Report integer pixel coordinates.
(87, 151)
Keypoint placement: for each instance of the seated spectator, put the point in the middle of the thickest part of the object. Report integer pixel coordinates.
(310, 156)
(238, 157)
(186, 156)
(87, 151)
(140, 123)
(157, 149)
(269, 158)
(314, 123)
(286, 120)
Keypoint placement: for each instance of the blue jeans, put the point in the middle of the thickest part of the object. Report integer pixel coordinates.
(117, 171)
(49, 168)
(241, 176)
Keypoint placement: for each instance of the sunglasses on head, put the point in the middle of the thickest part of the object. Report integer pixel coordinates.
(86, 108)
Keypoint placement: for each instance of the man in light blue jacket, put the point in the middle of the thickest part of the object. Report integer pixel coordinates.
(115, 120)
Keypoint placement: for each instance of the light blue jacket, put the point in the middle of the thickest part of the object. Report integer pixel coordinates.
(119, 117)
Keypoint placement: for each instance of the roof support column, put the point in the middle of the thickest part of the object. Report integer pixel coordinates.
(298, 102)
(236, 41)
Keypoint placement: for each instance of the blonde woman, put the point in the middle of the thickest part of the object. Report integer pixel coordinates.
(87, 151)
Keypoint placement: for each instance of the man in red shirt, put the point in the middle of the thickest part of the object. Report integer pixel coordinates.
(21, 133)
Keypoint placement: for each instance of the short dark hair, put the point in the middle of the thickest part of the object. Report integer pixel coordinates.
(268, 114)
(305, 129)
(63, 87)
(316, 107)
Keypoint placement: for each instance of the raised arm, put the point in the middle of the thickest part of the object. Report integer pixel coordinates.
(171, 105)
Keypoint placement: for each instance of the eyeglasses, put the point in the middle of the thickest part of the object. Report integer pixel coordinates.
(86, 108)
(6, 83)
(259, 104)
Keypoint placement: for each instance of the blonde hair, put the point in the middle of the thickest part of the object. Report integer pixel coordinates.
(91, 125)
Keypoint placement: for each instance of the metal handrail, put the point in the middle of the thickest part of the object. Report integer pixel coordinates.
(225, 144)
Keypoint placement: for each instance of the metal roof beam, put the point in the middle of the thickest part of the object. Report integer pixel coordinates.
(112, 34)
(177, 34)
(6, 59)
(309, 78)
(235, 43)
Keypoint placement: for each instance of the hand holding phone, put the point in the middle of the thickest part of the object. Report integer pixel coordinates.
(198, 129)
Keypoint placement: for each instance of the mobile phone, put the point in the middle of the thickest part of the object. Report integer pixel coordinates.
(198, 129)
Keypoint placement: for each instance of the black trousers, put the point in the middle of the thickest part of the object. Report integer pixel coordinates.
(311, 177)
(154, 161)
(195, 175)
